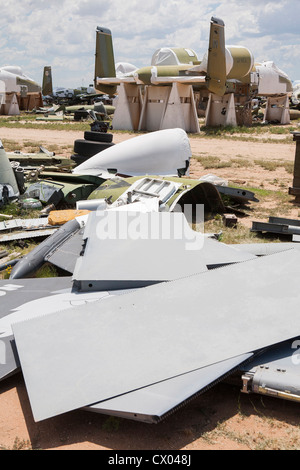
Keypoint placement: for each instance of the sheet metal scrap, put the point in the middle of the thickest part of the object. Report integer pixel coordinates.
(26, 298)
(24, 224)
(19, 229)
(13, 296)
(278, 225)
(157, 332)
(145, 261)
(27, 234)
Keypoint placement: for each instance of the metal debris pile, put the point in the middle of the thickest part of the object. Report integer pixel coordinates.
(150, 311)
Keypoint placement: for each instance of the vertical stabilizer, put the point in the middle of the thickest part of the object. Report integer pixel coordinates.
(216, 66)
(47, 89)
(7, 176)
(104, 59)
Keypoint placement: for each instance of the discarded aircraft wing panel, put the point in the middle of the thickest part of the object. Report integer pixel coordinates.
(157, 333)
(162, 248)
(165, 152)
(64, 256)
(152, 404)
(46, 232)
(24, 299)
(147, 247)
(13, 295)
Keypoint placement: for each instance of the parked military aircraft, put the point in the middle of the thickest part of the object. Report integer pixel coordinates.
(66, 95)
(219, 71)
(17, 91)
(223, 69)
(14, 80)
(295, 98)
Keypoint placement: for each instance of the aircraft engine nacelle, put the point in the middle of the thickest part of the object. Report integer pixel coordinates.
(239, 62)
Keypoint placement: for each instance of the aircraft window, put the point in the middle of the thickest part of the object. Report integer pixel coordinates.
(190, 53)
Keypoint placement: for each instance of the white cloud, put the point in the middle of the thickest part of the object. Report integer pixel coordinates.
(61, 33)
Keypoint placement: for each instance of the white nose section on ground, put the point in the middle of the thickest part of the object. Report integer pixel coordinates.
(7, 176)
(166, 152)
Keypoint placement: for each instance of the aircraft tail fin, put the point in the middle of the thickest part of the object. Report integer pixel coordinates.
(47, 88)
(104, 60)
(216, 65)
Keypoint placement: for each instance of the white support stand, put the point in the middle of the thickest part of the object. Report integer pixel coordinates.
(169, 107)
(221, 111)
(277, 109)
(11, 107)
(160, 107)
(2, 102)
(154, 106)
(181, 109)
(128, 108)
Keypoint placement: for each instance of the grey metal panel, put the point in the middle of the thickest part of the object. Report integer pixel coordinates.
(24, 224)
(27, 298)
(116, 263)
(283, 229)
(19, 291)
(264, 249)
(27, 234)
(12, 296)
(65, 256)
(282, 220)
(131, 341)
(153, 403)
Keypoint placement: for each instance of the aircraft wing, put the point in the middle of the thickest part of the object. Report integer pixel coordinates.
(185, 80)
(114, 80)
(13, 295)
(25, 299)
(137, 340)
(152, 404)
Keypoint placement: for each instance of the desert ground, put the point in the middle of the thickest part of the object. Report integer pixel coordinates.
(222, 418)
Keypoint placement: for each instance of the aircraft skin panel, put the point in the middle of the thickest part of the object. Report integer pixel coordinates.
(157, 332)
(23, 300)
(151, 404)
(14, 294)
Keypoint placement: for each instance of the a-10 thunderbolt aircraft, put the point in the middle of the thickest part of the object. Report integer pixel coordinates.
(223, 69)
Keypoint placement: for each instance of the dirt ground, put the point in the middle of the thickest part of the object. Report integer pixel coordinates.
(222, 418)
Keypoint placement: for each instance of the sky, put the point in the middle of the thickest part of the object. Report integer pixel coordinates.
(61, 33)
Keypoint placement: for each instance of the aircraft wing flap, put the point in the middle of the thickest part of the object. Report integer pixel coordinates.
(153, 403)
